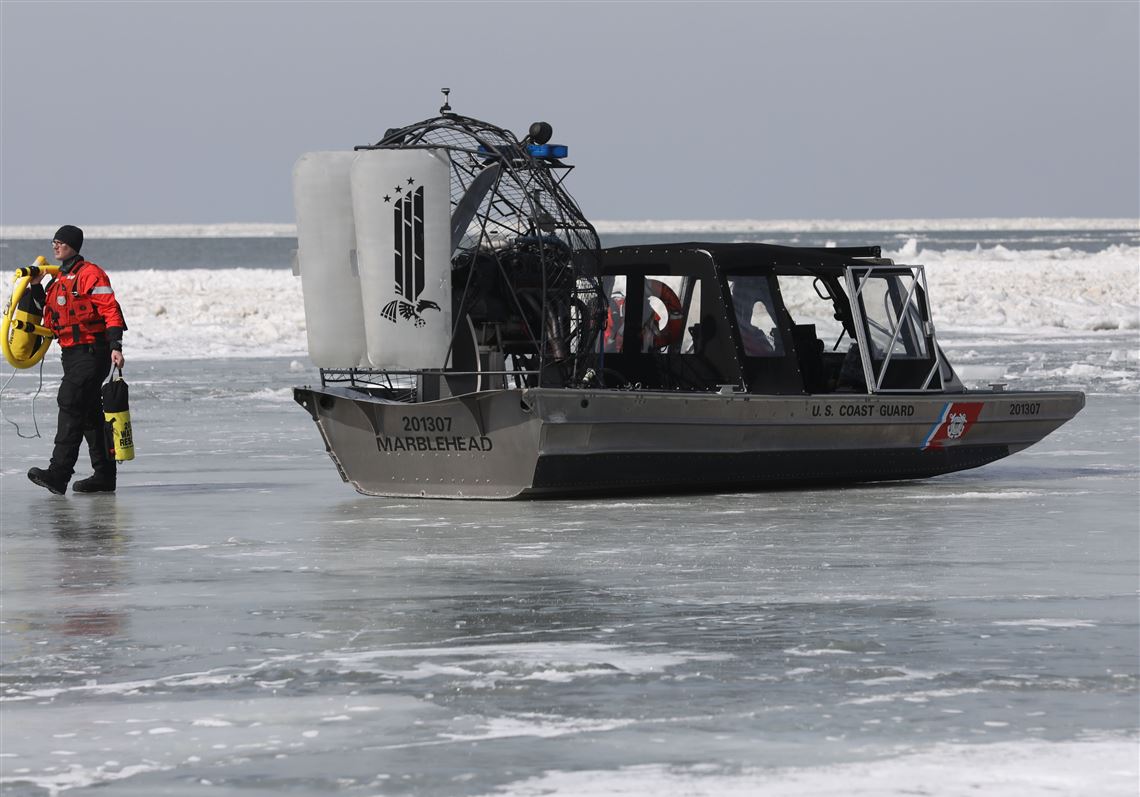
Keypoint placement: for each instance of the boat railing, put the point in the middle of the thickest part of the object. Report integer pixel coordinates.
(420, 384)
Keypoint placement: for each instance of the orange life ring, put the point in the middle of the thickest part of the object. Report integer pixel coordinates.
(675, 325)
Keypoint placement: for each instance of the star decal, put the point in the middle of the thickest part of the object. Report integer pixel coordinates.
(399, 190)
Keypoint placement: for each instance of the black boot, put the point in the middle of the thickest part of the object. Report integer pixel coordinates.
(95, 484)
(45, 479)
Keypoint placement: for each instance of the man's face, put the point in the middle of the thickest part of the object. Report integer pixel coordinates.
(61, 250)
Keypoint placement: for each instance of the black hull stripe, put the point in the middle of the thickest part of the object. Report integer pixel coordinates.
(681, 472)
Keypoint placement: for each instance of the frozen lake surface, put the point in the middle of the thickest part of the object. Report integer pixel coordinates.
(236, 621)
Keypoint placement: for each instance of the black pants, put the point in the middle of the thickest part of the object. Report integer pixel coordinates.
(81, 411)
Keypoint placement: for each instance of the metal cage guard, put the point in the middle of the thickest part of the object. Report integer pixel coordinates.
(523, 256)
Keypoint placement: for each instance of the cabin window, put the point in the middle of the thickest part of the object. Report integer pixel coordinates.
(886, 310)
(809, 303)
(756, 316)
(662, 314)
(615, 314)
(691, 299)
(669, 308)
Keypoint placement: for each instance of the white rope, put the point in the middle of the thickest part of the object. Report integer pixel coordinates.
(39, 388)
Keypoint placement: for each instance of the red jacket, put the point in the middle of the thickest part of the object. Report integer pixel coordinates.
(80, 307)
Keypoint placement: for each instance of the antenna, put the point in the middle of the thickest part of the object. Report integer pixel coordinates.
(446, 108)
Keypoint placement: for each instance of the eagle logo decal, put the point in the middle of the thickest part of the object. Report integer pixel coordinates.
(957, 425)
(408, 256)
(953, 424)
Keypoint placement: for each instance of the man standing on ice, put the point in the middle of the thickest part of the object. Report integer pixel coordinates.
(79, 306)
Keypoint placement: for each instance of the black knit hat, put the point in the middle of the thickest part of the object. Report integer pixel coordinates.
(72, 236)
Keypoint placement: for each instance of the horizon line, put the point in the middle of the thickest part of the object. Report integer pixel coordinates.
(613, 226)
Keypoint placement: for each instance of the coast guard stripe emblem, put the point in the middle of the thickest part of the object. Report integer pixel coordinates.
(955, 420)
(408, 256)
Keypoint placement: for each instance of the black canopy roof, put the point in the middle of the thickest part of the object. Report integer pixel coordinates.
(739, 256)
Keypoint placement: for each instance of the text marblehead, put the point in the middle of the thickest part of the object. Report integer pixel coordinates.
(439, 443)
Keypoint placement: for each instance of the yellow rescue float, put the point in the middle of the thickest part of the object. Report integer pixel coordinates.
(24, 340)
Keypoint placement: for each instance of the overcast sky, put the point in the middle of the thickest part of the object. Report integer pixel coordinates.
(163, 112)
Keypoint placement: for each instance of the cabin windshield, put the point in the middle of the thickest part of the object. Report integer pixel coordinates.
(894, 324)
(893, 319)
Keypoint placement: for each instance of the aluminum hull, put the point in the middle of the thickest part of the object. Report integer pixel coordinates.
(506, 444)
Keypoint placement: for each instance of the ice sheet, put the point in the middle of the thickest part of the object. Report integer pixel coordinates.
(1104, 767)
(209, 313)
(246, 230)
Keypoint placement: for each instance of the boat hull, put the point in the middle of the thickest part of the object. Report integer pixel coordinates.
(535, 442)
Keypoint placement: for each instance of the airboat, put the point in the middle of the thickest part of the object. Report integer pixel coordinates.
(474, 340)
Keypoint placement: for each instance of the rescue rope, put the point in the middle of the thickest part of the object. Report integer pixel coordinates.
(35, 395)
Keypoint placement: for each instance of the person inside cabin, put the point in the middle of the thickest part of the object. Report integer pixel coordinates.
(752, 304)
(615, 324)
(80, 308)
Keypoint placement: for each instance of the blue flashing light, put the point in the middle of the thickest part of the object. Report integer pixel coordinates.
(534, 150)
(547, 150)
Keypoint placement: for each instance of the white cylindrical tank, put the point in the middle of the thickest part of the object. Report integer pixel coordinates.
(326, 255)
(401, 201)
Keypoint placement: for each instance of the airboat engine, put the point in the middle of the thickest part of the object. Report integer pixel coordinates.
(448, 258)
